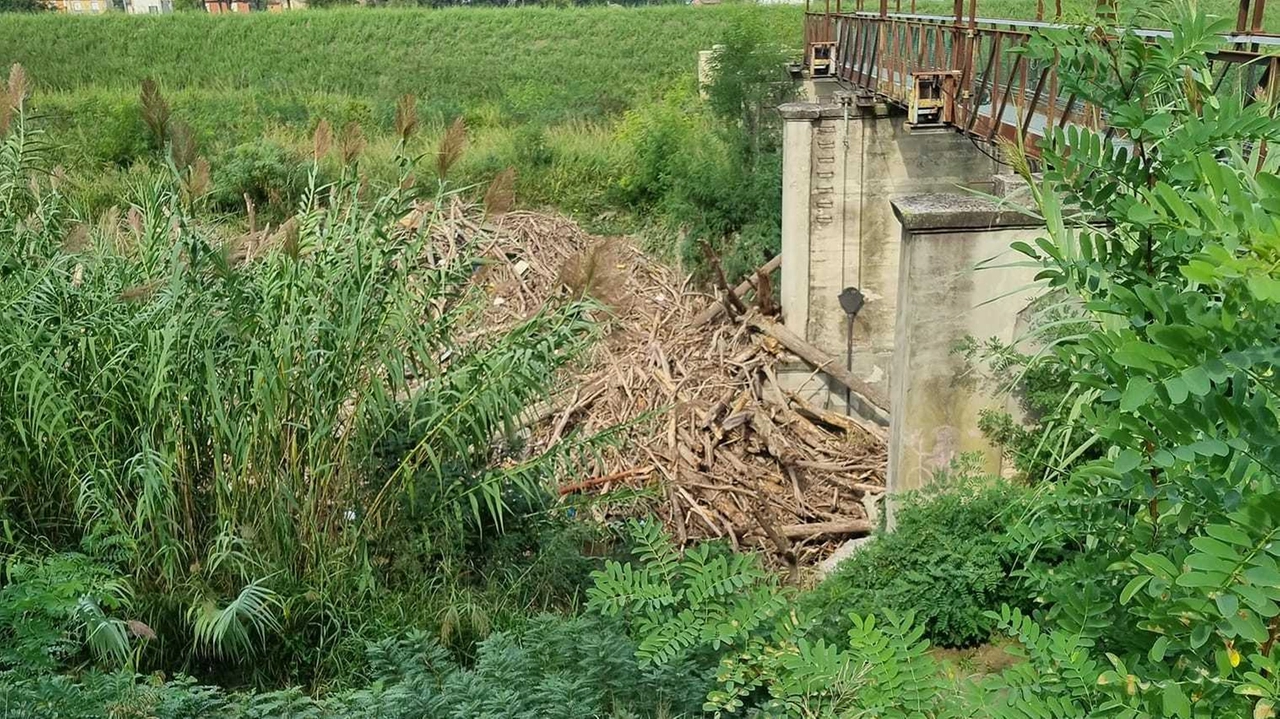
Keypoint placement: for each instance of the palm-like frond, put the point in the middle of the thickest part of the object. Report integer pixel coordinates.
(234, 628)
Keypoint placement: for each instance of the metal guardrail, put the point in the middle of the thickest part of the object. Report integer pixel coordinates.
(962, 71)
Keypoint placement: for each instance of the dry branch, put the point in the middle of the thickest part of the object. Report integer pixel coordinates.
(716, 309)
(874, 402)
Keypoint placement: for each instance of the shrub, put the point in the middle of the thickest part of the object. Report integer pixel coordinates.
(946, 562)
(53, 607)
(267, 173)
(555, 669)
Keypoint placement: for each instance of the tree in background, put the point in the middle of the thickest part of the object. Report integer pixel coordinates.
(23, 6)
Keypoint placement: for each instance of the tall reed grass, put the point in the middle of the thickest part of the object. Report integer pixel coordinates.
(240, 423)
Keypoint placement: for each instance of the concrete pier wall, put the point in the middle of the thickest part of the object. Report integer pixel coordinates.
(871, 203)
(944, 297)
(843, 165)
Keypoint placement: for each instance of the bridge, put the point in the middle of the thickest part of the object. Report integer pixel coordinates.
(878, 174)
(963, 70)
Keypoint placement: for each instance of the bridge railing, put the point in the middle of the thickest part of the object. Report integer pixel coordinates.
(966, 72)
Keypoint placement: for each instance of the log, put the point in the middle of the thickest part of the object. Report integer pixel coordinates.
(873, 405)
(836, 419)
(813, 529)
(717, 308)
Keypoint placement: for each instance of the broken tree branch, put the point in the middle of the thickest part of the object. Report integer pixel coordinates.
(873, 404)
(717, 308)
(813, 529)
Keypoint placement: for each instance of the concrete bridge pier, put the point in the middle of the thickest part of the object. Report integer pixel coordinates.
(844, 168)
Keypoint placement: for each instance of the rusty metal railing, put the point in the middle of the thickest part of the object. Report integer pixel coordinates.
(963, 70)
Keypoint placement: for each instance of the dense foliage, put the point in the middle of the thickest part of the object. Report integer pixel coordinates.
(275, 438)
(1167, 242)
(619, 132)
(946, 561)
(713, 168)
(555, 668)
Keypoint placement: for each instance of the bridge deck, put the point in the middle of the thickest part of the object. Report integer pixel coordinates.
(964, 72)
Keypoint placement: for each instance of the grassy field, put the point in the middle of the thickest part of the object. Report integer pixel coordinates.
(541, 89)
(540, 63)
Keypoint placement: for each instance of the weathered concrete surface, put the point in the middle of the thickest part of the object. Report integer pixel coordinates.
(857, 159)
(942, 298)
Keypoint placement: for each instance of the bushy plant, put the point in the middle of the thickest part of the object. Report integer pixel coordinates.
(946, 562)
(554, 668)
(772, 657)
(261, 172)
(211, 414)
(1166, 604)
(53, 607)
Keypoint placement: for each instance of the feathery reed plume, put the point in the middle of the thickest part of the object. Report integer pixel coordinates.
(598, 271)
(350, 143)
(140, 293)
(17, 87)
(155, 112)
(77, 238)
(406, 116)
(182, 144)
(1016, 155)
(135, 220)
(322, 140)
(251, 212)
(197, 182)
(14, 94)
(501, 195)
(109, 224)
(451, 147)
(289, 238)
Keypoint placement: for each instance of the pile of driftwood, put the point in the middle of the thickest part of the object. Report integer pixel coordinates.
(726, 449)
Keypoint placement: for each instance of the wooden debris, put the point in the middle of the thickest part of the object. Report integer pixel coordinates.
(727, 452)
(716, 308)
(875, 403)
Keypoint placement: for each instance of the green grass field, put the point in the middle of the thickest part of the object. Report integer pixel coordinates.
(547, 64)
(541, 89)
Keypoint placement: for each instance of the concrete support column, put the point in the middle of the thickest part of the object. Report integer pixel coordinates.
(942, 298)
(842, 163)
(797, 139)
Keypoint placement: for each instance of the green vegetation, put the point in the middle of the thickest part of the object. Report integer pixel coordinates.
(281, 462)
(278, 438)
(555, 668)
(595, 108)
(949, 545)
(524, 63)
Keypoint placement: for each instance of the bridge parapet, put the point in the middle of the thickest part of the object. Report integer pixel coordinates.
(966, 72)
